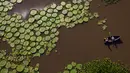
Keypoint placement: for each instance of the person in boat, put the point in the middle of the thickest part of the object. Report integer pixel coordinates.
(107, 42)
(112, 40)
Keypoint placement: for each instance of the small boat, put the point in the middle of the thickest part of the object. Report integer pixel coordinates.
(109, 41)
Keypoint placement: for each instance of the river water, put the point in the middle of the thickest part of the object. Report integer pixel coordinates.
(85, 41)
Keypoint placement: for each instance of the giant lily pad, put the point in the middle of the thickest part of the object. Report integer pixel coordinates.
(63, 3)
(50, 10)
(48, 14)
(26, 70)
(59, 7)
(4, 70)
(1, 55)
(47, 38)
(54, 14)
(39, 38)
(75, 6)
(80, 6)
(31, 20)
(67, 19)
(2, 63)
(66, 71)
(9, 35)
(73, 71)
(20, 68)
(69, 66)
(53, 5)
(8, 65)
(64, 11)
(73, 63)
(69, 14)
(79, 66)
(86, 19)
(68, 5)
(36, 55)
(19, 1)
(44, 18)
(41, 51)
(42, 12)
(33, 12)
(13, 66)
(37, 17)
(26, 62)
(75, 11)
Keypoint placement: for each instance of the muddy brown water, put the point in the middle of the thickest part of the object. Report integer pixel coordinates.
(84, 42)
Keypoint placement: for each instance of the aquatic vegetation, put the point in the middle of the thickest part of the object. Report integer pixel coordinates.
(102, 23)
(97, 66)
(41, 27)
(72, 68)
(39, 33)
(14, 64)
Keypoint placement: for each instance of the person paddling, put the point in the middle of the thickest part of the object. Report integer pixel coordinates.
(111, 40)
(107, 42)
(114, 41)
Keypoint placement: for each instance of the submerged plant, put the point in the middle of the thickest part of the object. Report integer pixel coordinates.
(108, 2)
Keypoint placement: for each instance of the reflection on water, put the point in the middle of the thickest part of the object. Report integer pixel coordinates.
(24, 13)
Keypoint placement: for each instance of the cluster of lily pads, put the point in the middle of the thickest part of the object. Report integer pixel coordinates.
(39, 33)
(15, 64)
(72, 68)
(105, 65)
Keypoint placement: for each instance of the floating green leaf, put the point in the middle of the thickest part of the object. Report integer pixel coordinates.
(73, 63)
(86, 19)
(75, 6)
(50, 10)
(32, 44)
(44, 18)
(8, 65)
(63, 3)
(42, 12)
(2, 63)
(19, 1)
(66, 71)
(37, 17)
(68, 5)
(54, 14)
(69, 66)
(53, 5)
(33, 12)
(64, 11)
(4, 70)
(20, 68)
(39, 38)
(73, 71)
(31, 20)
(41, 51)
(79, 66)
(59, 7)
(75, 11)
